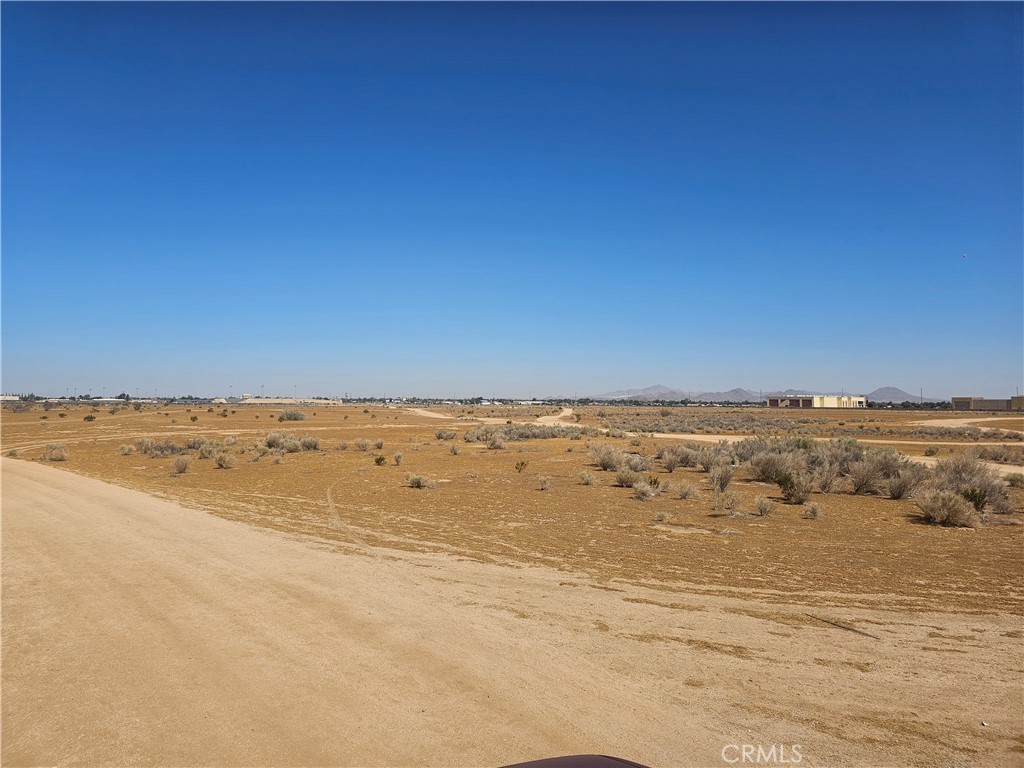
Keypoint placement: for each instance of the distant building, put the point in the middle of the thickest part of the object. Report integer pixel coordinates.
(987, 404)
(817, 401)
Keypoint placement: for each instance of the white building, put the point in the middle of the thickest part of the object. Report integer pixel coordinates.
(817, 401)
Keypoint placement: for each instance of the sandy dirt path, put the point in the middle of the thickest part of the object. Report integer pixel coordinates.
(140, 632)
(431, 414)
(556, 418)
(965, 422)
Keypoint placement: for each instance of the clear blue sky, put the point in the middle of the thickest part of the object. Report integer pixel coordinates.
(511, 199)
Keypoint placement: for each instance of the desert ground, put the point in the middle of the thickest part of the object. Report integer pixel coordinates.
(270, 606)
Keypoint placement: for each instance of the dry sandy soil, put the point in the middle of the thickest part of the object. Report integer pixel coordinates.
(327, 614)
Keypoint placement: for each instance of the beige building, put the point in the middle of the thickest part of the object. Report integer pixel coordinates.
(817, 401)
(1015, 403)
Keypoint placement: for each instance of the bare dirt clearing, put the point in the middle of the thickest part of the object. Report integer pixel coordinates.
(658, 630)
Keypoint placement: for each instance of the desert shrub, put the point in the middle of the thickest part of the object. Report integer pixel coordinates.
(661, 486)
(1003, 454)
(643, 491)
(126, 450)
(517, 432)
(496, 443)
(636, 462)
(415, 481)
(708, 458)
(230, 440)
(180, 466)
(193, 419)
(725, 501)
(276, 439)
(56, 452)
(769, 466)
(454, 450)
(687, 491)
(224, 460)
(1015, 480)
(64, 415)
(796, 487)
(89, 417)
(586, 478)
(545, 482)
(965, 475)
(906, 481)
(195, 443)
(362, 445)
(842, 453)
(763, 506)
(379, 444)
(292, 416)
(379, 459)
(444, 434)
(672, 456)
(209, 450)
(157, 449)
(931, 450)
(398, 459)
(813, 512)
(948, 508)
(308, 443)
(626, 477)
(607, 457)
(343, 446)
(521, 465)
(278, 459)
(869, 473)
(720, 476)
(827, 475)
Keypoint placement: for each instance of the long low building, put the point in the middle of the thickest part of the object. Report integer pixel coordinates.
(988, 404)
(817, 401)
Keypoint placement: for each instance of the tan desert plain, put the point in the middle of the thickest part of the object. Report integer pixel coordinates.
(372, 585)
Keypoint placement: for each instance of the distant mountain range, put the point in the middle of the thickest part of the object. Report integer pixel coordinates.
(738, 395)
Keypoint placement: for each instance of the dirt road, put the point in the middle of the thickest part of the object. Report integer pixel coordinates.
(140, 632)
(966, 422)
